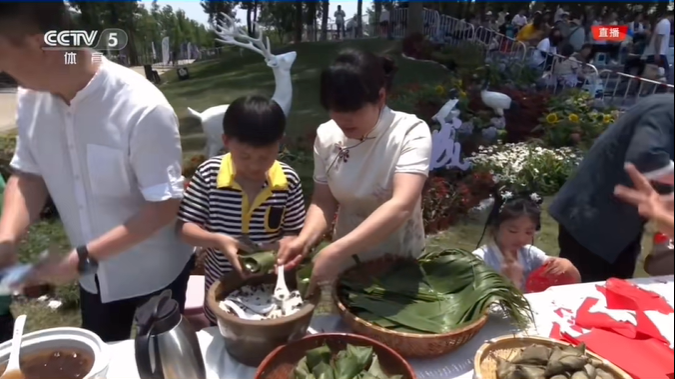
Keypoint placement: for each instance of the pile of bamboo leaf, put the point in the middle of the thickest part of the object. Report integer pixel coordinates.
(444, 291)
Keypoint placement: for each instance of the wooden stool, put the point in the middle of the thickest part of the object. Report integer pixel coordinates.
(194, 302)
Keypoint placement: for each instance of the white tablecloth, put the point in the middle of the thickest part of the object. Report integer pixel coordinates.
(457, 365)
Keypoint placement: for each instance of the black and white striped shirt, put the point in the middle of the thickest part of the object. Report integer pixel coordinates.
(214, 201)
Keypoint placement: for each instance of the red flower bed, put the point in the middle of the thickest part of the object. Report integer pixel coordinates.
(529, 108)
(523, 116)
(449, 197)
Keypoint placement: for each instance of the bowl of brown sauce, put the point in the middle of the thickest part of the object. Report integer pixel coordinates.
(64, 353)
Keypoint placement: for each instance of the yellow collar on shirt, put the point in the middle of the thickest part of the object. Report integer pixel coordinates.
(276, 178)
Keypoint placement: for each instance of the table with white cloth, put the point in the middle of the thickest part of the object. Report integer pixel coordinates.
(458, 364)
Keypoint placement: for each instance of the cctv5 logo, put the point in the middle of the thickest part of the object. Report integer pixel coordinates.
(71, 38)
(112, 39)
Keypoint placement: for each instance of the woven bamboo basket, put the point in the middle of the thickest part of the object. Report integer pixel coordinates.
(409, 345)
(507, 347)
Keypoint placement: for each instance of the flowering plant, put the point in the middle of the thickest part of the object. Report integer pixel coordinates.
(571, 120)
(450, 196)
(524, 167)
(425, 100)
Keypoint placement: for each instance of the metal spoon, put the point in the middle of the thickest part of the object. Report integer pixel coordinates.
(13, 370)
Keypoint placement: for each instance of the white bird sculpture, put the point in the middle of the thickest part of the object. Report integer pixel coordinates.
(230, 34)
(495, 100)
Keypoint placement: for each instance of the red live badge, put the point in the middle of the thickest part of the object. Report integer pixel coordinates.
(609, 33)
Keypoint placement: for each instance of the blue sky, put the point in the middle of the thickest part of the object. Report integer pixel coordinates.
(194, 10)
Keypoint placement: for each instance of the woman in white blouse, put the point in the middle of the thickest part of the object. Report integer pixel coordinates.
(370, 166)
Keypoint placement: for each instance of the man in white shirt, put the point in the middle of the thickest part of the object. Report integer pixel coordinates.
(340, 21)
(520, 19)
(104, 143)
(657, 51)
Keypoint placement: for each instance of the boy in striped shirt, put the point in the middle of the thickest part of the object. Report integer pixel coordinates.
(245, 193)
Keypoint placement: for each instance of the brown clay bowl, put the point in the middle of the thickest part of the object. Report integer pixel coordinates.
(280, 363)
(249, 341)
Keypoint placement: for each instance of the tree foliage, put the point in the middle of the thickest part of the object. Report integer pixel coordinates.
(296, 19)
(144, 26)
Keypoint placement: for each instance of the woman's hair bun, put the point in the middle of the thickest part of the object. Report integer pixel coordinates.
(389, 67)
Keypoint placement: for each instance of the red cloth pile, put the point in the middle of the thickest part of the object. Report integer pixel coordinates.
(622, 332)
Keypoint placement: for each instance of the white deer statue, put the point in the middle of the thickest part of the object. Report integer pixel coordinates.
(230, 34)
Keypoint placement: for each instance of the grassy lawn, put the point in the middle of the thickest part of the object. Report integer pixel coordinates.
(221, 81)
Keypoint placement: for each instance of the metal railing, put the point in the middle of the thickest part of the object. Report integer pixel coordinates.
(613, 87)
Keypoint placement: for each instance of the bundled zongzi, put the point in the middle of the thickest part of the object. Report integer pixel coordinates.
(355, 362)
(541, 362)
(258, 263)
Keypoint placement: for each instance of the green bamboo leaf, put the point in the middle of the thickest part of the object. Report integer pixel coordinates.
(260, 262)
(376, 370)
(445, 291)
(316, 356)
(301, 371)
(302, 278)
(324, 371)
(363, 354)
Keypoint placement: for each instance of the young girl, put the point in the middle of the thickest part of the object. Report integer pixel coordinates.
(513, 223)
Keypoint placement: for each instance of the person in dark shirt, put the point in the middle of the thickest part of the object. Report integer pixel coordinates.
(598, 233)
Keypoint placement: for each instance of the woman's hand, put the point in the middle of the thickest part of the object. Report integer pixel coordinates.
(325, 268)
(650, 203)
(291, 252)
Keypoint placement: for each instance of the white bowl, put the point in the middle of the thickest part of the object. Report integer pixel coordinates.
(64, 338)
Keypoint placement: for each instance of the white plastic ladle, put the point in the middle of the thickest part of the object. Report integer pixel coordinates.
(13, 370)
(281, 292)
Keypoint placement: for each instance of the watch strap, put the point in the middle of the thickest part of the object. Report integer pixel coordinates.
(86, 264)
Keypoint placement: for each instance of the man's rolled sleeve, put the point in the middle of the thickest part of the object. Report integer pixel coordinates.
(650, 146)
(156, 155)
(23, 159)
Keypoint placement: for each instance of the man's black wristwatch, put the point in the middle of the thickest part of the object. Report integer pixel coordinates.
(86, 264)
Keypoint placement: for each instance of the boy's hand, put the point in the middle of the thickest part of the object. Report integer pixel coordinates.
(230, 248)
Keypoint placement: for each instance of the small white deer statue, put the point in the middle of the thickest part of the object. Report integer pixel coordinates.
(230, 34)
